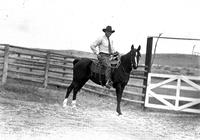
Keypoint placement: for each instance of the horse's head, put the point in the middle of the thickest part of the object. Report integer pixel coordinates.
(135, 56)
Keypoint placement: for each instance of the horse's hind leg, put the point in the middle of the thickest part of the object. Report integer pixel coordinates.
(69, 89)
(77, 87)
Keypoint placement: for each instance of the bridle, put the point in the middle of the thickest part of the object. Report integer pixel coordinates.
(132, 59)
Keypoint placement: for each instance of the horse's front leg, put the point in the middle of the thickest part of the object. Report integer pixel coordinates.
(119, 90)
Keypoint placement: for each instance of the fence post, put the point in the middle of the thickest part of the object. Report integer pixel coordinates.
(5, 64)
(31, 59)
(147, 65)
(64, 69)
(18, 55)
(46, 70)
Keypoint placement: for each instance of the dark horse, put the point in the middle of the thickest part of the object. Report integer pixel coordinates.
(120, 76)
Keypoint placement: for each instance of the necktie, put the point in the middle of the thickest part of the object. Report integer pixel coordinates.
(109, 46)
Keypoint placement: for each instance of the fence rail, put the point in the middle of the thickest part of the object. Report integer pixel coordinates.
(50, 68)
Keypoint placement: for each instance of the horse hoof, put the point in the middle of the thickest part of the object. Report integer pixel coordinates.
(74, 107)
(119, 114)
(74, 104)
(65, 103)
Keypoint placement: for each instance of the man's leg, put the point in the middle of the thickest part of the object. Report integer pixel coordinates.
(108, 77)
(104, 61)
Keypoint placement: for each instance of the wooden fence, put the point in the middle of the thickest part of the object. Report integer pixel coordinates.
(50, 68)
(173, 92)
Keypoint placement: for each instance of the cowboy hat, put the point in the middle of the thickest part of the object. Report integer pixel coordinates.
(108, 29)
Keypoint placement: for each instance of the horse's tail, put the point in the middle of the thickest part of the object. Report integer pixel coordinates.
(75, 61)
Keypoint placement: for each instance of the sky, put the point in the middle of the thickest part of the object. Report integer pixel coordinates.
(76, 24)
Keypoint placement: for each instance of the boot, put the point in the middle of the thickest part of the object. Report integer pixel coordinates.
(109, 84)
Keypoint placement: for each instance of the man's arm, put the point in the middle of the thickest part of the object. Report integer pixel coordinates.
(94, 46)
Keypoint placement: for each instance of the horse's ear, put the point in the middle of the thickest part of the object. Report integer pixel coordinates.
(139, 47)
(132, 47)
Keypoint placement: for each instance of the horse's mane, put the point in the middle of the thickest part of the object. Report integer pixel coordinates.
(125, 56)
(126, 61)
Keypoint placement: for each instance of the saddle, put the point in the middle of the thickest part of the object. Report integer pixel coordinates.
(115, 60)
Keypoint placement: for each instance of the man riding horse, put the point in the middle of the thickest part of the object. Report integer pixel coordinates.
(84, 69)
(104, 52)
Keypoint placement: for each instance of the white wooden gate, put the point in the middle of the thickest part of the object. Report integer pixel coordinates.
(175, 92)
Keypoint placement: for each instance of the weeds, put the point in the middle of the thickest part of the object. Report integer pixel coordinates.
(20, 89)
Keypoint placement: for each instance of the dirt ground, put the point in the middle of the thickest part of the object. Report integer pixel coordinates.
(38, 114)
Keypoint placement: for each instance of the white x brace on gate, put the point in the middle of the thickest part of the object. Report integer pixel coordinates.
(176, 101)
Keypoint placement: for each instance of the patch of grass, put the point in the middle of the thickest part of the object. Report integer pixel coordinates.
(20, 89)
(21, 92)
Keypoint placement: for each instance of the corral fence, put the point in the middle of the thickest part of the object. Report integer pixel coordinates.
(54, 68)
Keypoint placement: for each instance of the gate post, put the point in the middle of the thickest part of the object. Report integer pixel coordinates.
(147, 65)
(5, 64)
